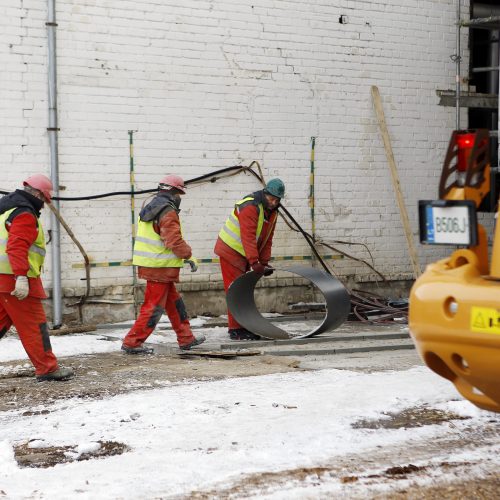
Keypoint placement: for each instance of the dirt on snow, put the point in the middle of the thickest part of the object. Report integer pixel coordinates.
(104, 375)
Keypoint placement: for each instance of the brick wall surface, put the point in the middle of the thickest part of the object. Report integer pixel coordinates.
(210, 84)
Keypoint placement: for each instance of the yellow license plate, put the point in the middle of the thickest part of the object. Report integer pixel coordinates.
(485, 320)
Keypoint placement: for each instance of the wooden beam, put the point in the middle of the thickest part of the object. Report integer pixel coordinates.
(379, 110)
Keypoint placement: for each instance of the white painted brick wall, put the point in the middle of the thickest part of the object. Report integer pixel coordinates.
(209, 84)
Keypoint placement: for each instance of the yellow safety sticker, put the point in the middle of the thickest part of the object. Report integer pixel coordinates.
(485, 320)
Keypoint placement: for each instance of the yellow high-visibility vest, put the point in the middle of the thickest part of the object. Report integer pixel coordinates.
(230, 233)
(36, 252)
(149, 249)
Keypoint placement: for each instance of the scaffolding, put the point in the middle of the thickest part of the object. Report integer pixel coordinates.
(483, 17)
(484, 23)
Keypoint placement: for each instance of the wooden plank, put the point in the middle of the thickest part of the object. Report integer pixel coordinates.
(379, 110)
(485, 23)
(468, 99)
(67, 330)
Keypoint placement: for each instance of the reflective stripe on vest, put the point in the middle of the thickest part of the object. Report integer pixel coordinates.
(149, 250)
(230, 233)
(36, 252)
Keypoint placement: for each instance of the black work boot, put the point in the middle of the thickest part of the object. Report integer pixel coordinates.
(197, 341)
(242, 334)
(58, 375)
(137, 350)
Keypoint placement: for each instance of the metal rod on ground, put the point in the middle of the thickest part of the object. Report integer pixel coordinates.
(379, 110)
(132, 213)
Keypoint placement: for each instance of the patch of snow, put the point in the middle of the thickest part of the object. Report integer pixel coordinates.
(37, 443)
(8, 464)
(64, 345)
(89, 447)
(201, 435)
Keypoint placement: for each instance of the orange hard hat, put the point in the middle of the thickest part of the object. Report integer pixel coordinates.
(172, 181)
(42, 183)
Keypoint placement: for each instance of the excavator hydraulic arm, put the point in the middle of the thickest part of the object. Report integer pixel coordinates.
(455, 305)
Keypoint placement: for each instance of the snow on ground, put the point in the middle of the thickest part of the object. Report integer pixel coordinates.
(67, 345)
(70, 345)
(11, 348)
(204, 435)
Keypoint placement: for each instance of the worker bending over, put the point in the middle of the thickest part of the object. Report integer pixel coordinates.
(22, 254)
(160, 251)
(245, 242)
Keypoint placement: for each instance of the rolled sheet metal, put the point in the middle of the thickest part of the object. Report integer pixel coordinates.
(241, 303)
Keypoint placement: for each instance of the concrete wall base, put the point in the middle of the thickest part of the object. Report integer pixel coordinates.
(211, 302)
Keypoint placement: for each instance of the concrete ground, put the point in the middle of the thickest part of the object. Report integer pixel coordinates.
(355, 346)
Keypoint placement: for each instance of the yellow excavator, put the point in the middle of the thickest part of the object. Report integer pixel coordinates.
(454, 315)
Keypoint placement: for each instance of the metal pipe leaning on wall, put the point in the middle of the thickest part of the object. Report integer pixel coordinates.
(241, 302)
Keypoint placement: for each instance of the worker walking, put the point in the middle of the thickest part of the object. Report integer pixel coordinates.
(160, 251)
(22, 254)
(245, 242)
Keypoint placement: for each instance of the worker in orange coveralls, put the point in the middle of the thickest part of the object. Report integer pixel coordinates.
(245, 242)
(160, 251)
(22, 254)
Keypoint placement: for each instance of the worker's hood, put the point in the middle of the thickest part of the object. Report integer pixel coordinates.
(21, 199)
(158, 204)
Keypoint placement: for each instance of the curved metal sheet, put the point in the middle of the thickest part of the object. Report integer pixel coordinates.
(241, 303)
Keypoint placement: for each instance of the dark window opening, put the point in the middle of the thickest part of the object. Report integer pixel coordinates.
(484, 57)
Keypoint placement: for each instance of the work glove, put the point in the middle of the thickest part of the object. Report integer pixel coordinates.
(258, 268)
(22, 288)
(193, 262)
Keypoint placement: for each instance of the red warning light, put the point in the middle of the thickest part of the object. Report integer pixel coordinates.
(464, 144)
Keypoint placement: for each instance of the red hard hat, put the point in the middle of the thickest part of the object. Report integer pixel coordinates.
(174, 181)
(42, 183)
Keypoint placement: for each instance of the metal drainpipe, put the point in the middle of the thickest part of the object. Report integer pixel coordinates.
(54, 165)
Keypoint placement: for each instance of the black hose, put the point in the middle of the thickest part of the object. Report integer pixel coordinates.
(212, 175)
(308, 238)
(361, 305)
